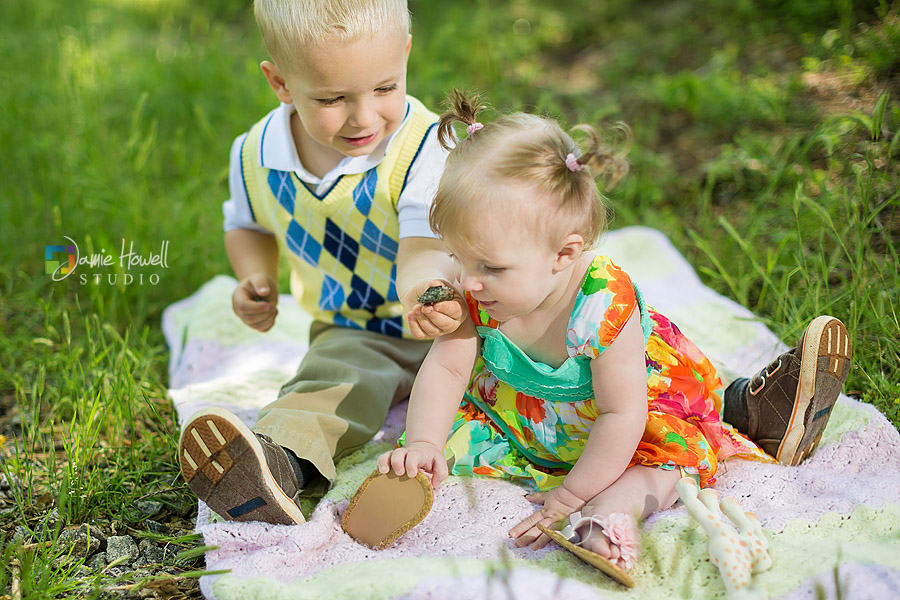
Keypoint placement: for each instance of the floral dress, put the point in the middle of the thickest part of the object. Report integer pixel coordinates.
(525, 420)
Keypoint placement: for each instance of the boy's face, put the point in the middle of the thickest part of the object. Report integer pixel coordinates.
(349, 97)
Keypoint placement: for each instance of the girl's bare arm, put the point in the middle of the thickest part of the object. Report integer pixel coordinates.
(619, 378)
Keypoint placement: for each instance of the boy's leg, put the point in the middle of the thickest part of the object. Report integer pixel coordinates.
(784, 408)
(336, 402)
(340, 396)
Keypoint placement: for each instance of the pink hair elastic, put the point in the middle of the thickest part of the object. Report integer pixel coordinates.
(572, 162)
(473, 128)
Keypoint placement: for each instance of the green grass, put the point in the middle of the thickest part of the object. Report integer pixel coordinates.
(767, 136)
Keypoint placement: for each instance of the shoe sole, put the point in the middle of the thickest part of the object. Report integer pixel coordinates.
(225, 466)
(385, 507)
(824, 365)
(591, 558)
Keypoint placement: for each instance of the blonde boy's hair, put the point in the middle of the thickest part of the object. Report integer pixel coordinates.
(528, 149)
(290, 26)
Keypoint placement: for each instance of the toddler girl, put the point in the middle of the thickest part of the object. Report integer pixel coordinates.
(569, 379)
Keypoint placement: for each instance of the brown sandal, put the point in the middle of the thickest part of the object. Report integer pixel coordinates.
(385, 507)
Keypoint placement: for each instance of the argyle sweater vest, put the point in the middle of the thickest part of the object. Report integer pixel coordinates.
(342, 245)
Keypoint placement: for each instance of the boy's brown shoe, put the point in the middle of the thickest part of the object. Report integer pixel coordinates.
(241, 475)
(789, 402)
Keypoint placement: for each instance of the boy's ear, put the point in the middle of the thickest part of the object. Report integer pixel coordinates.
(408, 45)
(572, 247)
(276, 81)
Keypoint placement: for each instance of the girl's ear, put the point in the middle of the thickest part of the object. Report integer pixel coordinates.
(571, 249)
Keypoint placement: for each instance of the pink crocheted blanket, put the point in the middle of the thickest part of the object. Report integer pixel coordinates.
(833, 521)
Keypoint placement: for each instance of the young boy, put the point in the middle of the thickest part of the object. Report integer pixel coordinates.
(340, 177)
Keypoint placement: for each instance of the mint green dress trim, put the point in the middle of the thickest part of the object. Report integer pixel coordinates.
(570, 382)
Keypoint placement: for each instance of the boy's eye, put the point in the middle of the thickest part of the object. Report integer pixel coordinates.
(494, 270)
(387, 88)
(329, 101)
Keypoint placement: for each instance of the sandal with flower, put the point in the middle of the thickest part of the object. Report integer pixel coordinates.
(619, 528)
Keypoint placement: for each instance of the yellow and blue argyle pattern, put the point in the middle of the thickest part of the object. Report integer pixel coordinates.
(354, 249)
(342, 245)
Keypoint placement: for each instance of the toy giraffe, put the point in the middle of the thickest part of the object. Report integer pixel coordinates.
(737, 554)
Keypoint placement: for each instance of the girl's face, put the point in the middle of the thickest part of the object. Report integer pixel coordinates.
(506, 262)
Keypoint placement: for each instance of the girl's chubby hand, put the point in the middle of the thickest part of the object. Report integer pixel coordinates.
(415, 457)
(558, 504)
(255, 301)
(434, 320)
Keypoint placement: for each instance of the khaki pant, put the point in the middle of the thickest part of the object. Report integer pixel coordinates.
(340, 395)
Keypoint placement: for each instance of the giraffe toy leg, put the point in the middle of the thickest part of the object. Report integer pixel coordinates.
(751, 532)
(727, 549)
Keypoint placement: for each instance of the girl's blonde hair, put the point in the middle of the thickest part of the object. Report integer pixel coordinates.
(529, 149)
(290, 27)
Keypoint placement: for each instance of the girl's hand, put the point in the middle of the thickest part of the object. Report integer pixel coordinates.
(415, 457)
(431, 321)
(558, 504)
(255, 301)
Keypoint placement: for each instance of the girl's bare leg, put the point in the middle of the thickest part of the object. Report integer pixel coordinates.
(639, 492)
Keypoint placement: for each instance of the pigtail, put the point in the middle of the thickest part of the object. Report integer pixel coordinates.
(463, 109)
(603, 160)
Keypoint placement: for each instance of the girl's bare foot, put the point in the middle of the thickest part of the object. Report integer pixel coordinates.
(608, 526)
(615, 537)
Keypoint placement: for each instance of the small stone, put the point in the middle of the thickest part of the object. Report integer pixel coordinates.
(7, 484)
(82, 542)
(121, 547)
(83, 572)
(183, 508)
(97, 561)
(95, 531)
(437, 293)
(52, 518)
(21, 535)
(156, 527)
(148, 508)
(63, 562)
(116, 572)
(151, 553)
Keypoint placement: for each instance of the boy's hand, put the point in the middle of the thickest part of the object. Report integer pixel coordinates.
(415, 457)
(255, 301)
(558, 504)
(431, 321)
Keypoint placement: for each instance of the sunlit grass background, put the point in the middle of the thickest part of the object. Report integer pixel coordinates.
(767, 136)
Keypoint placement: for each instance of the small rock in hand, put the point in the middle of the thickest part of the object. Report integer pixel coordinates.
(437, 293)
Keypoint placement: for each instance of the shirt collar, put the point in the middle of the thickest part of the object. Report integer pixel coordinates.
(277, 150)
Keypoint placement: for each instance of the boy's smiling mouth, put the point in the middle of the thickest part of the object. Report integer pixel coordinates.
(359, 141)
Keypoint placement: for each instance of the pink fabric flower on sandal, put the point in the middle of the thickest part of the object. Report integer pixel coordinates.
(619, 528)
(622, 530)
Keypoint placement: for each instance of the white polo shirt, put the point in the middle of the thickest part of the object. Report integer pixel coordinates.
(277, 151)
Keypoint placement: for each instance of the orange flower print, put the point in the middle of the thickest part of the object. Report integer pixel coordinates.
(610, 326)
(530, 407)
(486, 470)
(620, 285)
